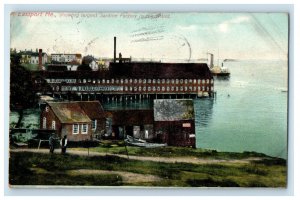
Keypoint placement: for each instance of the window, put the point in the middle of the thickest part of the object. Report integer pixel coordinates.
(75, 128)
(112, 81)
(144, 88)
(135, 80)
(140, 80)
(168, 88)
(117, 81)
(107, 81)
(130, 80)
(158, 88)
(126, 80)
(177, 81)
(47, 109)
(172, 81)
(126, 88)
(44, 122)
(94, 124)
(154, 81)
(199, 81)
(149, 88)
(121, 81)
(185, 81)
(84, 81)
(149, 80)
(168, 81)
(53, 125)
(145, 81)
(140, 88)
(181, 80)
(153, 88)
(163, 81)
(195, 81)
(163, 88)
(84, 128)
(158, 81)
(190, 81)
(211, 81)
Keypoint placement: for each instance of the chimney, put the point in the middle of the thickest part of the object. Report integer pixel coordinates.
(115, 45)
(40, 59)
(211, 60)
(120, 58)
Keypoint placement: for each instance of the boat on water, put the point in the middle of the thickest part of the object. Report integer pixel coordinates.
(217, 70)
(141, 143)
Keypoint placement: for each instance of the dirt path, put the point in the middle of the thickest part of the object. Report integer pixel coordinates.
(127, 177)
(193, 160)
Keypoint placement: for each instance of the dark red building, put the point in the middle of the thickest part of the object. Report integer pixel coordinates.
(78, 120)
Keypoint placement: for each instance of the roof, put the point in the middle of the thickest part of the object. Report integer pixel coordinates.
(78, 55)
(31, 53)
(138, 70)
(131, 117)
(173, 109)
(92, 108)
(160, 70)
(69, 112)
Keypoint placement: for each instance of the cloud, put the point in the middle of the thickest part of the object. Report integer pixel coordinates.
(224, 27)
(187, 28)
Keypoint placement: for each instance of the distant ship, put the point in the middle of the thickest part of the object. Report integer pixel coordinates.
(217, 70)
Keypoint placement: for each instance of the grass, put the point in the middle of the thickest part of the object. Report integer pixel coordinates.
(44, 169)
(118, 147)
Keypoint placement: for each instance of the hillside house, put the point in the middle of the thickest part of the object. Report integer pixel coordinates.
(80, 121)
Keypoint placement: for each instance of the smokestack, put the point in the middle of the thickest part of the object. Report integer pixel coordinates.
(115, 45)
(211, 60)
(40, 59)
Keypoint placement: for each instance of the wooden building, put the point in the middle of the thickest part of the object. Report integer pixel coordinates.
(174, 122)
(136, 123)
(134, 80)
(78, 120)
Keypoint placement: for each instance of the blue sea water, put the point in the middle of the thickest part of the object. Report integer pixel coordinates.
(249, 112)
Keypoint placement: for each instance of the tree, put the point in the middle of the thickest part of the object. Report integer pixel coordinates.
(22, 95)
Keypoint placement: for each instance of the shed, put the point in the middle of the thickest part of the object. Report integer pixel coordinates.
(174, 122)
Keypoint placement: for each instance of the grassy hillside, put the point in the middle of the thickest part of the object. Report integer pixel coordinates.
(27, 168)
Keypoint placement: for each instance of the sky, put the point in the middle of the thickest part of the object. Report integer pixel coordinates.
(183, 37)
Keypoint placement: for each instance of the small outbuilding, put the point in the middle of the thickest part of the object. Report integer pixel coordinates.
(174, 122)
(80, 121)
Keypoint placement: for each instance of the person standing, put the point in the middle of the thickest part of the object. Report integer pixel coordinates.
(63, 144)
(51, 143)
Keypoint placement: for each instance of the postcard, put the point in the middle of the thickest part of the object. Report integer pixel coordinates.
(137, 99)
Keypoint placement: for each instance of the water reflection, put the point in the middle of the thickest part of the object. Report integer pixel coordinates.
(203, 112)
